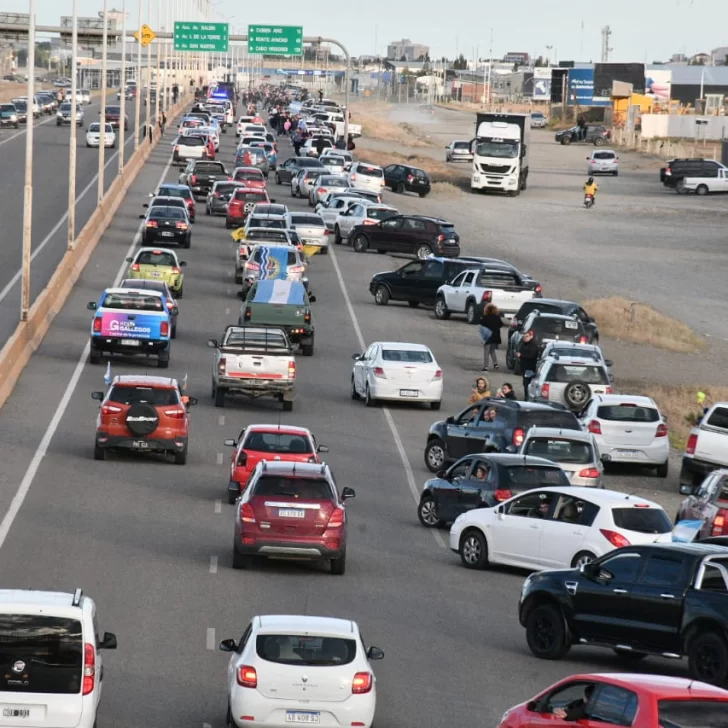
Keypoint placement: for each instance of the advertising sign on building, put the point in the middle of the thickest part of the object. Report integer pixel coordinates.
(605, 74)
(581, 87)
(541, 84)
(658, 84)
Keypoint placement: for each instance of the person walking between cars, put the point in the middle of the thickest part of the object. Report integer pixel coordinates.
(480, 391)
(350, 144)
(528, 358)
(320, 145)
(491, 323)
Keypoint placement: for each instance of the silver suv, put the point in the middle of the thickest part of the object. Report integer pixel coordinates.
(569, 349)
(570, 381)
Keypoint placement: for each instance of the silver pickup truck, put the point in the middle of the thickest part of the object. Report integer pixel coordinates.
(254, 361)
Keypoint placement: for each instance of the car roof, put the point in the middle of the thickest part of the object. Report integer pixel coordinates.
(303, 470)
(287, 429)
(550, 315)
(579, 435)
(607, 497)
(141, 284)
(595, 348)
(576, 361)
(516, 459)
(145, 380)
(42, 602)
(440, 220)
(549, 302)
(367, 164)
(173, 186)
(268, 215)
(667, 687)
(401, 345)
(117, 291)
(152, 250)
(300, 624)
(638, 399)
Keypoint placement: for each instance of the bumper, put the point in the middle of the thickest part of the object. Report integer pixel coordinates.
(200, 190)
(296, 334)
(258, 387)
(448, 251)
(146, 347)
(141, 444)
(638, 455)
(602, 170)
(95, 143)
(317, 242)
(418, 189)
(8, 122)
(153, 236)
(218, 208)
(692, 467)
(311, 550)
(482, 181)
(381, 389)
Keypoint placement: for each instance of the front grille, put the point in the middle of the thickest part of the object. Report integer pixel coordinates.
(495, 168)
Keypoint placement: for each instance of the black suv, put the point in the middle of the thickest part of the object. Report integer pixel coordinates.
(409, 234)
(469, 432)
(403, 178)
(553, 305)
(678, 169)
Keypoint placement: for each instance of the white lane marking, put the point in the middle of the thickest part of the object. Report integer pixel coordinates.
(206, 725)
(219, 458)
(14, 280)
(227, 311)
(213, 564)
(385, 410)
(23, 131)
(221, 420)
(218, 506)
(211, 638)
(42, 449)
(229, 291)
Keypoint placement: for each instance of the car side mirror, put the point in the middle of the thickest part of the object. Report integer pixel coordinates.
(441, 474)
(450, 420)
(356, 357)
(182, 263)
(532, 706)
(311, 298)
(174, 311)
(141, 217)
(588, 158)
(152, 195)
(230, 442)
(272, 202)
(687, 489)
(228, 646)
(212, 343)
(322, 448)
(98, 396)
(375, 653)
(348, 493)
(91, 305)
(108, 642)
(609, 362)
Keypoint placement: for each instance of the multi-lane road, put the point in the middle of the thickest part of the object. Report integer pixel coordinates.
(151, 542)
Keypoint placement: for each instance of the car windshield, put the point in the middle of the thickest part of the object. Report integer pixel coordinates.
(555, 327)
(40, 654)
(628, 413)
(412, 356)
(22, 106)
(154, 257)
(278, 442)
(308, 221)
(305, 650)
(293, 487)
(642, 520)
(525, 477)
(132, 302)
(498, 150)
(366, 171)
(565, 373)
(560, 450)
(691, 713)
(136, 394)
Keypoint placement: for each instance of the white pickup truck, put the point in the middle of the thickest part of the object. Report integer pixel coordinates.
(254, 361)
(474, 288)
(707, 446)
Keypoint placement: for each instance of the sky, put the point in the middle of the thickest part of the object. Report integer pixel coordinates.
(642, 30)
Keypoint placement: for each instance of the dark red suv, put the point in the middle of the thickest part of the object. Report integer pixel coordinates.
(292, 510)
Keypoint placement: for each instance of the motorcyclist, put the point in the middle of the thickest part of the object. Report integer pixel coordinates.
(590, 189)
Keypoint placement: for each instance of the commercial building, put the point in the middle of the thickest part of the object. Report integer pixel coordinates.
(405, 48)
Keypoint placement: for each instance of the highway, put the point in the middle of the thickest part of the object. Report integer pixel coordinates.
(151, 542)
(50, 199)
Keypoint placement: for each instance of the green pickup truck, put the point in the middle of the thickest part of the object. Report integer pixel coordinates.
(285, 304)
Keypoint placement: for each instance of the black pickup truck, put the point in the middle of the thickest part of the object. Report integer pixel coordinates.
(201, 175)
(669, 600)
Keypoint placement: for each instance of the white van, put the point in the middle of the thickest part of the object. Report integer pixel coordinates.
(50, 666)
(717, 182)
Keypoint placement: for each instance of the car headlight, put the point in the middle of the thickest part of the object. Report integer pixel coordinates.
(13, 117)
(524, 588)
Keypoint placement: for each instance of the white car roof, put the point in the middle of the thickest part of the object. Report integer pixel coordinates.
(367, 164)
(596, 151)
(557, 432)
(402, 346)
(300, 624)
(636, 399)
(145, 379)
(605, 498)
(277, 428)
(151, 250)
(142, 291)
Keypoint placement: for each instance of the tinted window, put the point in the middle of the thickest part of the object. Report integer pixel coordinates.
(713, 579)
(365, 171)
(250, 196)
(521, 477)
(622, 567)
(461, 145)
(556, 327)
(628, 413)
(303, 488)
(48, 651)
(305, 650)
(191, 141)
(559, 450)
(310, 163)
(604, 155)
(530, 306)
(564, 373)
(270, 234)
(167, 213)
(174, 192)
(379, 213)
(150, 257)
(663, 571)
(262, 222)
(132, 302)
(613, 705)
(495, 279)
(718, 418)
(263, 339)
(308, 220)
(226, 188)
(549, 418)
(131, 394)
(691, 714)
(642, 520)
(278, 442)
(407, 355)
(209, 168)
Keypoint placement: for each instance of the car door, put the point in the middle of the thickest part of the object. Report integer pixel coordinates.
(565, 531)
(460, 288)
(722, 182)
(414, 233)
(472, 489)
(286, 170)
(361, 368)
(517, 532)
(387, 235)
(485, 430)
(336, 207)
(448, 493)
(348, 218)
(431, 279)
(461, 430)
(406, 287)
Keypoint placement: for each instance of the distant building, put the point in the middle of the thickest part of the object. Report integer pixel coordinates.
(719, 56)
(522, 59)
(408, 50)
(678, 58)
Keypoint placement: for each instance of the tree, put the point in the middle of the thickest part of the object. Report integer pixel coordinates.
(460, 63)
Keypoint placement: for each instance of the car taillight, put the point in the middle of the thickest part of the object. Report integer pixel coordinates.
(545, 390)
(589, 473)
(336, 519)
(327, 232)
(297, 269)
(595, 427)
(582, 339)
(487, 296)
(193, 179)
(98, 321)
(175, 414)
(661, 430)
(608, 390)
(247, 677)
(234, 204)
(616, 539)
(252, 266)
(89, 668)
(502, 494)
(181, 226)
(221, 364)
(437, 375)
(353, 178)
(518, 435)
(307, 317)
(164, 328)
(291, 369)
(176, 271)
(515, 323)
(110, 409)
(370, 222)
(322, 191)
(152, 224)
(692, 444)
(718, 524)
(440, 238)
(248, 313)
(362, 683)
(247, 514)
(538, 289)
(379, 372)
(594, 161)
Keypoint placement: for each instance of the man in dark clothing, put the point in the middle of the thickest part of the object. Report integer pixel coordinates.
(528, 358)
(577, 709)
(340, 143)
(350, 144)
(175, 93)
(320, 145)
(581, 123)
(321, 95)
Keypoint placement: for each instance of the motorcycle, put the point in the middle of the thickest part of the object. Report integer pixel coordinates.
(588, 201)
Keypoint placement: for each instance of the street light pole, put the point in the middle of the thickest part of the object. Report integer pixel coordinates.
(122, 87)
(102, 118)
(72, 143)
(148, 115)
(137, 109)
(28, 188)
(158, 47)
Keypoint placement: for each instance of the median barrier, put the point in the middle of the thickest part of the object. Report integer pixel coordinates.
(29, 334)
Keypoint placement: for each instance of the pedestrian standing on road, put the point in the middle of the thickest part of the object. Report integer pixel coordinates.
(581, 123)
(491, 323)
(481, 390)
(287, 126)
(528, 358)
(340, 143)
(350, 144)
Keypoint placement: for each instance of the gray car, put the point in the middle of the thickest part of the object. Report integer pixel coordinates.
(458, 151)
(311, 229)
(290, 168)
(324, 184)
(302, 183)
(219, 196)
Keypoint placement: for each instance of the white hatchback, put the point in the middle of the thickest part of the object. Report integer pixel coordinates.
(397, 371)
(93, 136)
(366, 177)
(602, 161)
(300, 670)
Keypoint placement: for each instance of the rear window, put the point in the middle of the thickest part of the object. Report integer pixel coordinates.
(604, 155)
(113, 110)
(132, 302)
(549, 418)
(171, 213)
(691, 714)
(184, 193)
(565, 373)
(150, 257)
(718, 418)
(642, 520)
(407, 355)
(329, 159)
(304, 162)
(461, 145)
(209, 168)
(40, 654)
(265, 340)
(560, 450)
(556, 327)
(493, 278)
(131, 394)
(530, 306)
(365, 171)
(628, 413)
(524, 477)
(250, 196)
(249, 174)
(308, 220)
(305, 650)
(333, 182)
(278, 442)
(267, 234)
(191, 141)
(225, 189)
(257, 222)
(296, 488)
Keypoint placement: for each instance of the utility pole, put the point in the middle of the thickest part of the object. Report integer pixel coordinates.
(102, 118)
(606, 50)
(490, 71)
(72, 143)
(28, 188)
(138, 99)
(122, 89)
(564, 95)
(148, 115)
(157, 53)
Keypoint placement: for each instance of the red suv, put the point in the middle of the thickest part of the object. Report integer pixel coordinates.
(268, 442)
(241, 204)
(291, 510)
(144, 414)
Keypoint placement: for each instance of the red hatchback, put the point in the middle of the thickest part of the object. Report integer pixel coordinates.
(610, 700)
(242, 203)
(268, 442)
(291, 510)
(250, 177)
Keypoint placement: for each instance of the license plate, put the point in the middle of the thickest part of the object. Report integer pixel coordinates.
(167, 235)
(156, 274)
(297, 717)
(628, 453)
(16, 712)
(291, 513)
(408, 393)
(131, 342)
(140, 445)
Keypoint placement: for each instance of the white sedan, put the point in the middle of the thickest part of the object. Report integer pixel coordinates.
(364, 213)
(557, 528)
(291, 670)
(93, 136)
(397, 371)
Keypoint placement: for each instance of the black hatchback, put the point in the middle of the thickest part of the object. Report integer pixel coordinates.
(167, 225)
(403, 178)
(409, 235)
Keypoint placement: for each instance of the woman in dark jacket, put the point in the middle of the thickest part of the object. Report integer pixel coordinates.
(491, 323)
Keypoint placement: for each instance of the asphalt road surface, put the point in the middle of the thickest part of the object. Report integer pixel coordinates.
(151, 541)
(50, 199)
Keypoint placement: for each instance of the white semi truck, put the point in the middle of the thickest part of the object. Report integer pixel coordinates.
(500, 153)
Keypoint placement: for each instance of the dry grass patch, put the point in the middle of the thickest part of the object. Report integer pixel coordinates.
(375, 125)
(626, 320)
(447, 189)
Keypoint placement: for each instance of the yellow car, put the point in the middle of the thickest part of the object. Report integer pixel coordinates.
(158, 264)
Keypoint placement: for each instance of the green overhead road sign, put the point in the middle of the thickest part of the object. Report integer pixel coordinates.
(207, 37)
(275, 40)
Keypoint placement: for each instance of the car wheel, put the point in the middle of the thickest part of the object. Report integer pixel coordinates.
(566, 140)
(360, 243)
(163, 362)
(598, 142)
(287, 405)
(181, 292)
(423, 194)
(338, 240)
(220, 397)
(616, 174)
(441, 311)
(546, 632)
(582, 558)
(427, 513)
(338, 566)
(99, 453)
(576, 394)
(369, 401)
(701, 190)
(354, 394)
(435, 405)
(662, 470)
(307, 349)
(241, 561)
(310, 201)
(708, 658)
(399, 188)
(423, 251)
(629, 655)
(473, 550)
(381, 296)
(471, 312)
(510, 359)
(207, 211)
(278, 179)
(180, 457)
(435, 455)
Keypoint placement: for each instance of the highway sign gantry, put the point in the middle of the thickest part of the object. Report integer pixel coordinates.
(206, 37)
(275, 40)
(146, 35)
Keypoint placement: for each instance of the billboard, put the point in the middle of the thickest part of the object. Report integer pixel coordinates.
(541, 84)
(581, 87)
(606, 73)
(658, 84)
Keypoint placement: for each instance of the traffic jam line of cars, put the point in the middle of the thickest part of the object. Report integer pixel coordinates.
(519, 483)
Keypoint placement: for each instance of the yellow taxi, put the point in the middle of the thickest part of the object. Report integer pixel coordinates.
(158, 264)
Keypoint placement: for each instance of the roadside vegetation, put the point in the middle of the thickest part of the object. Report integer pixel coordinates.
(376, 125)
